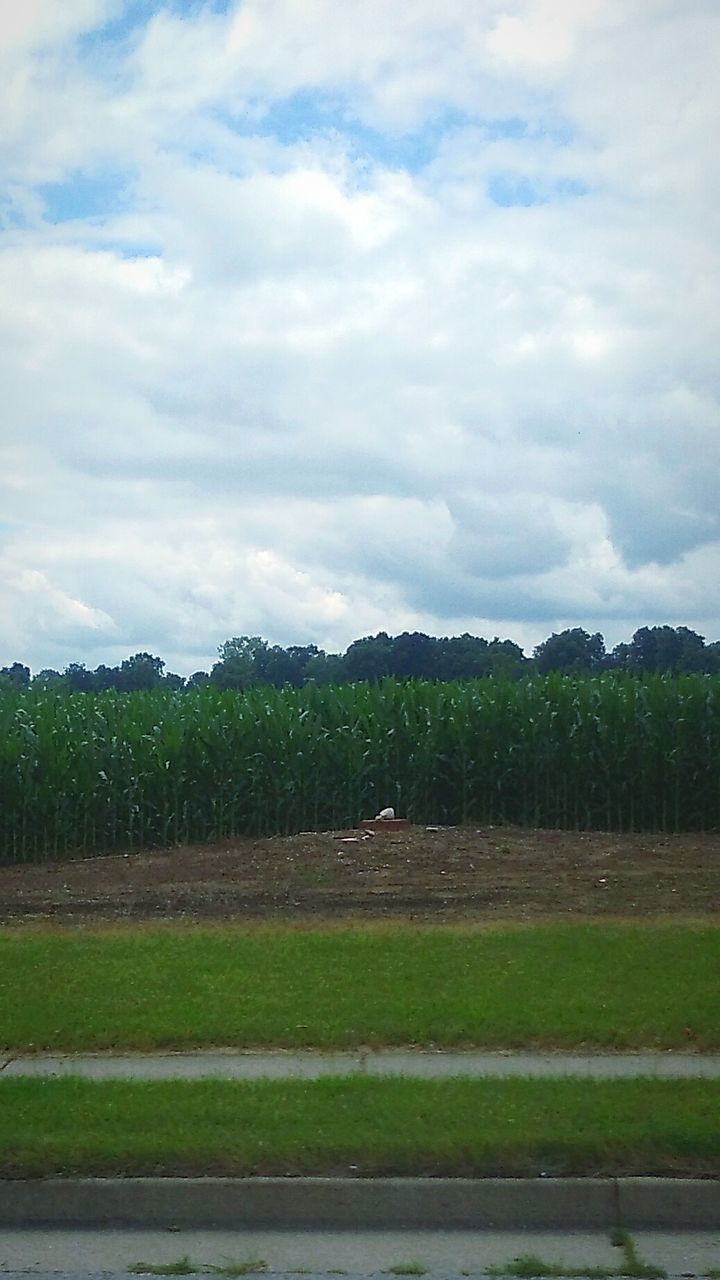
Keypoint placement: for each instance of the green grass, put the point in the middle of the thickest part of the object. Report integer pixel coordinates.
(564, 985)
(246, 1268)
(528, 1265)
(376, 1127)
(633, 1264)
(406, 1269)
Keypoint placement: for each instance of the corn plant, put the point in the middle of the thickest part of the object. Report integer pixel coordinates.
(102, 772)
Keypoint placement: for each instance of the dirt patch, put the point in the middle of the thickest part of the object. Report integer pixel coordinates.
(451, 873)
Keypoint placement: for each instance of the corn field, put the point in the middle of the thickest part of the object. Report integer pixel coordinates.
(113, 771)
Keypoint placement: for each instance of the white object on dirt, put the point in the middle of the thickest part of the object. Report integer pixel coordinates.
(385, 815)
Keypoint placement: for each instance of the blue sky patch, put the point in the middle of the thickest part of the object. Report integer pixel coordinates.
(194, 8)
(130, 249)
(512, 189)
(129, 16)
(309, 114)
(134, 14)
(85, 195)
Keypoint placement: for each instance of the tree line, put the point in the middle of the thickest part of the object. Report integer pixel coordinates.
(248, 661)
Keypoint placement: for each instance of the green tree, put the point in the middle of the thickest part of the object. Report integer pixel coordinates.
(78, 678)
(17, 674)
(325, 668)
(413, 655)
(462, 657)
(197, 679)
(712, 657)
(300, 655)
(285, 666)
(570, 651)
(141, 671)
(107, 678)
(669, 649)
(369, 658)
(506, 659)
(48, 678)
(242, 662)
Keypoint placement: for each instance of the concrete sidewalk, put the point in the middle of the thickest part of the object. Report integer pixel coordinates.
(286, 1253)
(229, 1064)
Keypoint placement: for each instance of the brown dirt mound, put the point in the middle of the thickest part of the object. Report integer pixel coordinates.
(424, 873)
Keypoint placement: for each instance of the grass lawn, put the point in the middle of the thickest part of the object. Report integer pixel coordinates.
(564, 985)
(372, 1127)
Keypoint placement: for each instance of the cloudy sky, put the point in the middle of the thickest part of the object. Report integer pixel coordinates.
(321, 317)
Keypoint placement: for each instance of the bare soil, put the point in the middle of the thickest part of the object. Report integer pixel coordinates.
(423, 873)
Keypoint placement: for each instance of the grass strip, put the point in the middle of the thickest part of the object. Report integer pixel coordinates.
(633, 1264)
(564, 985)
(529, 1265)
(359, 1126)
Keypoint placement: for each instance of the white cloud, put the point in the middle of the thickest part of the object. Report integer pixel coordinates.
(543, 32)
(38, 23)
(292, 379)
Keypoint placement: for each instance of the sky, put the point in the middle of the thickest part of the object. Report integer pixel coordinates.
(325, 317)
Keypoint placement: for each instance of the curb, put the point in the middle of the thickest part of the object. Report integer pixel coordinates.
(356, 1203)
